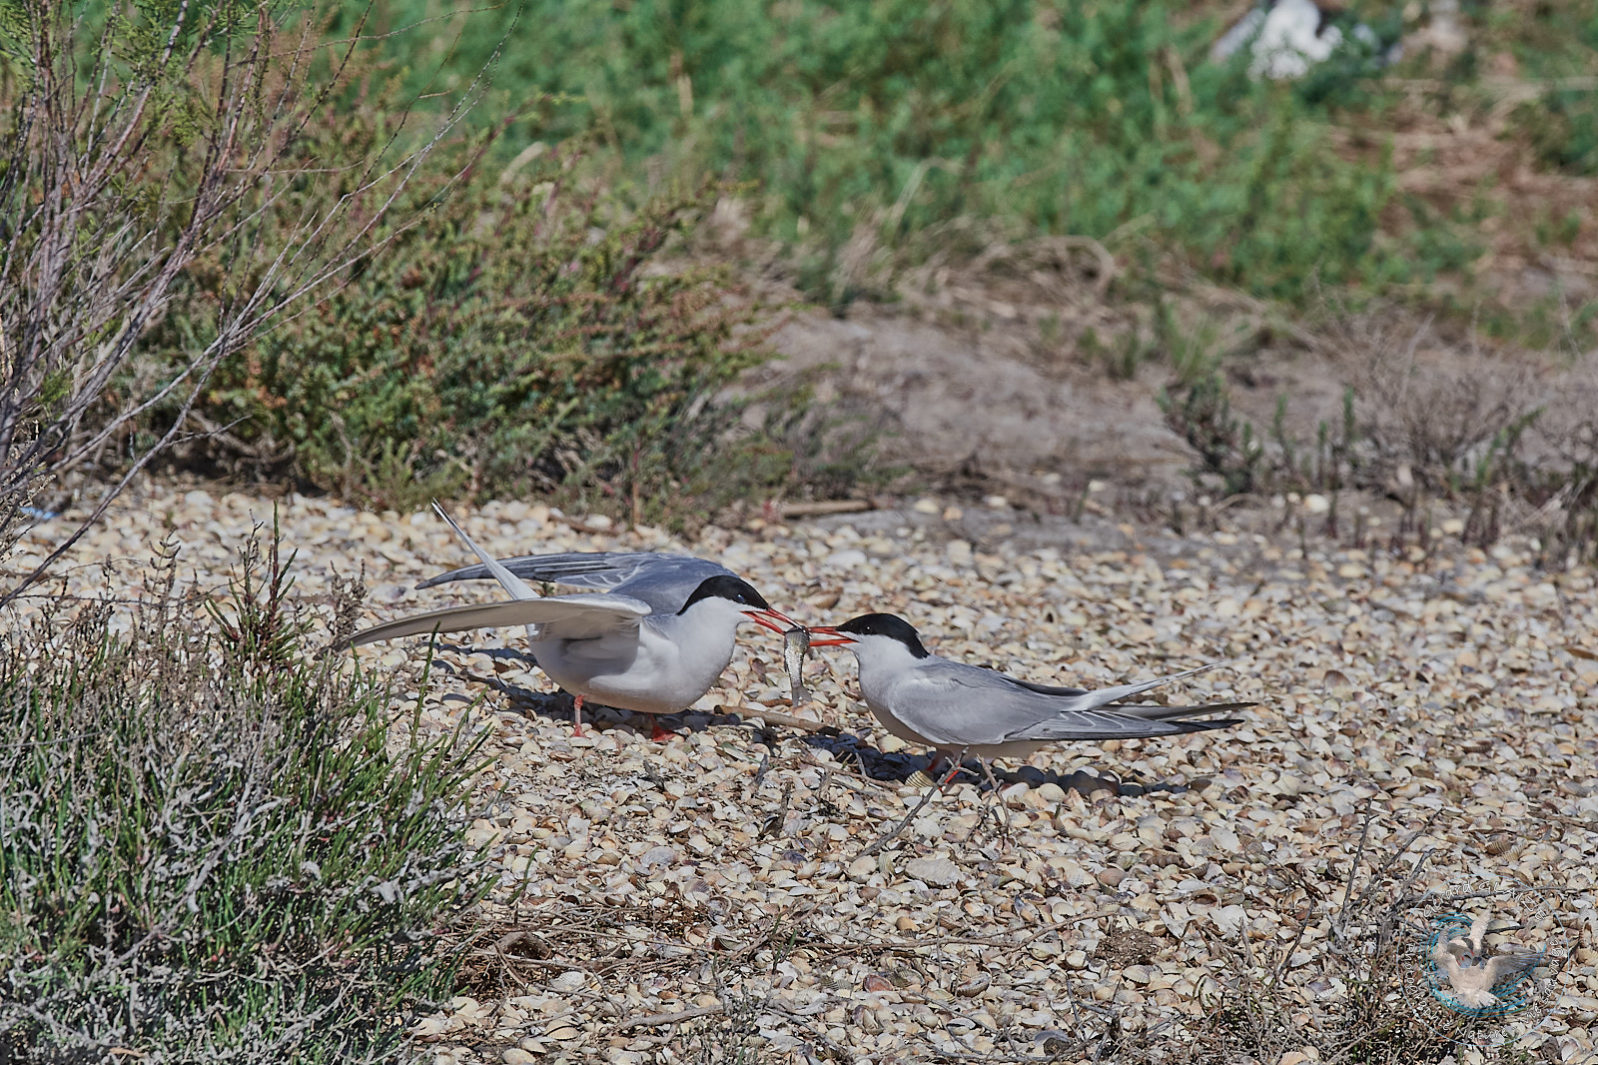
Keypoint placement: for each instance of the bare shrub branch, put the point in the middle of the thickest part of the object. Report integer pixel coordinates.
(136, 151)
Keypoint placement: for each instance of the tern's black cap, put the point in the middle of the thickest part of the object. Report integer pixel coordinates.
(726, 586)
(889, 625)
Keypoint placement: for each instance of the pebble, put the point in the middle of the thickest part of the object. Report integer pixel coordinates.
(939, 872)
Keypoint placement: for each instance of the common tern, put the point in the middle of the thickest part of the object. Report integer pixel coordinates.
(652, 639)
(956, 708)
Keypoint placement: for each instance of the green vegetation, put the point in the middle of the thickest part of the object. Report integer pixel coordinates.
(521, 303)
(1563, 128)
(276, 238)
(214, 845)
(887, 121)
(517, 340)
(313, 274)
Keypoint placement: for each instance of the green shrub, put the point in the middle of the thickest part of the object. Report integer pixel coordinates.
(211, 846)
(519, 336)
(1563, 130)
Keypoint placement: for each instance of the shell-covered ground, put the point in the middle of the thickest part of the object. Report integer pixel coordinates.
(1424, 742)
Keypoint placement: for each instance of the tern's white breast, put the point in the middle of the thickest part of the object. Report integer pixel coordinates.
(664, 669)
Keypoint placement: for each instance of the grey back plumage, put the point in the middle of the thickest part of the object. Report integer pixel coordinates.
(663, 581)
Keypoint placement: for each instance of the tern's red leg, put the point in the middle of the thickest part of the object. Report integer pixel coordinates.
(577, 716)
(659, 735)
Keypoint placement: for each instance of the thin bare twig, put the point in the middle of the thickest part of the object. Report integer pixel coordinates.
(882, 840)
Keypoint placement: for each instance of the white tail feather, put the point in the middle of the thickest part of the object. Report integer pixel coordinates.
(514, 586)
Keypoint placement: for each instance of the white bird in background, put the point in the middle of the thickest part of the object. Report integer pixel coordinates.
(1472, 981)
(954, 707)
(653, 640)
(1287, 37)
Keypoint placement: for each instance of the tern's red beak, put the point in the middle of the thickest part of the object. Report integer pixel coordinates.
(775, 620)
(828, 637)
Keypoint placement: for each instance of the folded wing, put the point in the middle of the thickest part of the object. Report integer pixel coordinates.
(1124, 723)
(960, 704)
(1101, 696)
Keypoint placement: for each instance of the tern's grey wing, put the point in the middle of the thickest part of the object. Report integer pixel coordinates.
(1104, 696)
(1113, 724)
(663, 581)
(571, 617)
(514, 586)
(952, 703)
(666, 581)
(1478, 931)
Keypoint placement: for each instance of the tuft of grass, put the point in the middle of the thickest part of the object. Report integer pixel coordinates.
(211, 845)
(1563, 130)
(1226, 445)
(1365, 951)
(1477, 435)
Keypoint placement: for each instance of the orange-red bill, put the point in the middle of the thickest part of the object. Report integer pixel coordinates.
(827, 636)
(775, 620)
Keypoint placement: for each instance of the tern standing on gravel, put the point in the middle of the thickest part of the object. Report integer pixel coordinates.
(954, 707)
(653, 640)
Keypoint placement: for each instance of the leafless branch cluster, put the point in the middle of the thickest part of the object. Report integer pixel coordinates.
(132, 150)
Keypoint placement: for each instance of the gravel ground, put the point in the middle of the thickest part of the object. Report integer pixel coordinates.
(1425, 721)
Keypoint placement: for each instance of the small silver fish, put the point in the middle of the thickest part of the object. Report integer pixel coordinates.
(796, 644)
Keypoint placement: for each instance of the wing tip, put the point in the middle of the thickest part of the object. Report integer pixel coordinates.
(1206, 725)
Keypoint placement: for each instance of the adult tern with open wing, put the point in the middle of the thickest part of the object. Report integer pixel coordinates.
(653, 639)
(955, 707)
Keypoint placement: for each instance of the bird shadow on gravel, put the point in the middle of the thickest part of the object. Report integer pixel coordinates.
(901, 767)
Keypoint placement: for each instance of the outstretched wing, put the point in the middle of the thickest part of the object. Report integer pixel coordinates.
(1478, 932)
(567, 617)
(514, 586)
